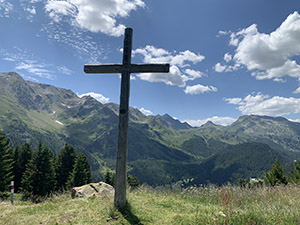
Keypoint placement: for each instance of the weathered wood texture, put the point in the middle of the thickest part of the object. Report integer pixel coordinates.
(132, 68)
(125, 69)
(122, 151)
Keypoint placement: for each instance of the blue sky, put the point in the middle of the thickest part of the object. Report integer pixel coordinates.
(228, 58)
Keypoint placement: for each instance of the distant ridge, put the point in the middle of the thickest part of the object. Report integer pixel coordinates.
(162, 149)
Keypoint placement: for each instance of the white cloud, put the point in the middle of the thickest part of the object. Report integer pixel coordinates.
(85, 49)
(279, 80)
(146, 112)
(32, 65)
(227, 57)
(296, 121)
(224, 121)
(221, 32)
(269, 55)
(58, 8)
(234, 101)
(180, 71)
(297, 91)
(219, 68)
(93, 15)
(5, 8)
(31, 10)
(194, 73)
(199, 89)
(64, 70)
(35, 68)
(264, 105)
(99, 97)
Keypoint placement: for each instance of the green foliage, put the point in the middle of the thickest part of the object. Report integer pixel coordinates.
(39, 177)
(81, 173)
(295, 177)
(6, 163)
(16, 169)
(168, 148)
(275, 176)
(64, 166)
(242, 182)
(147, 205)
(133, 181)
(108, 177)
(21, 157)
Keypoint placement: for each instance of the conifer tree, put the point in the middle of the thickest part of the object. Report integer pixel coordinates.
(39, 177)
(64, 166)
(6, 163)
(296, 173)
(81, 173)
(275, 176)
(22, 157)
(108, 177)
(16, 168)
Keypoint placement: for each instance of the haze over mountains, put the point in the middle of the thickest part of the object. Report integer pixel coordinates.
(161, 149)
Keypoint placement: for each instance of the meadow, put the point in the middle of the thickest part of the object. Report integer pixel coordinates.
(147, 205)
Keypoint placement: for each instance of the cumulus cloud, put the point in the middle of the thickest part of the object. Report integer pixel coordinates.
(199, 89)
(269, 56)
(95, 16)
(227, 57)
(99, 97)
(224, 121)
(220, 68)
(260, 104)
(297, 91)
(180, 71)
(146, 111)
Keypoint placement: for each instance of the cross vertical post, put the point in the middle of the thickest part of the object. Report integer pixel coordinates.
(122, 151)
(125, 69)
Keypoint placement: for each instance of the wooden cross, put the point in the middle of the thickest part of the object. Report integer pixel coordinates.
(125, 69)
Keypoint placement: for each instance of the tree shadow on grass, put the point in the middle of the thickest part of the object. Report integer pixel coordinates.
(126, 211)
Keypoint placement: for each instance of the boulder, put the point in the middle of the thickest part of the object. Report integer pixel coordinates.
(92, 189)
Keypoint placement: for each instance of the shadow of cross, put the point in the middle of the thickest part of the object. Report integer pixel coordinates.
(125, 69)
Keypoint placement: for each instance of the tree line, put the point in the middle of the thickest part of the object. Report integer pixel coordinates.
(275, 176)
(37, 174)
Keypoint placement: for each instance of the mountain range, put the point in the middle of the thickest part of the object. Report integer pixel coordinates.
(161, 149)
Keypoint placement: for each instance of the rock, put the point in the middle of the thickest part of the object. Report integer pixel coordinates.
(92, 189)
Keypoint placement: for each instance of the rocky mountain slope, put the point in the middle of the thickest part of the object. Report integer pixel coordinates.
(158, 145)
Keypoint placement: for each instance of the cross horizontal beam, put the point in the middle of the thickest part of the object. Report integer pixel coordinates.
(131, 68)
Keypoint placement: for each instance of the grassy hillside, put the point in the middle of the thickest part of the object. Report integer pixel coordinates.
(161, 149)
(209, 205)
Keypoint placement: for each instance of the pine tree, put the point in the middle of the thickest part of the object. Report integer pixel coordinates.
(39, 177)
(275, 175)
(133, 181)
(21, 158)
(108, 177)
(64, 166)
(296, 173)
(81, 173)
(6, 163)
(16, 168)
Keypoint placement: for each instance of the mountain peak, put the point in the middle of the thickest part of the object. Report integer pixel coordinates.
(209, 125)
(174, 123)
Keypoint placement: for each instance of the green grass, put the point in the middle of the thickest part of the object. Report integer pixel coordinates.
(211, 205)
